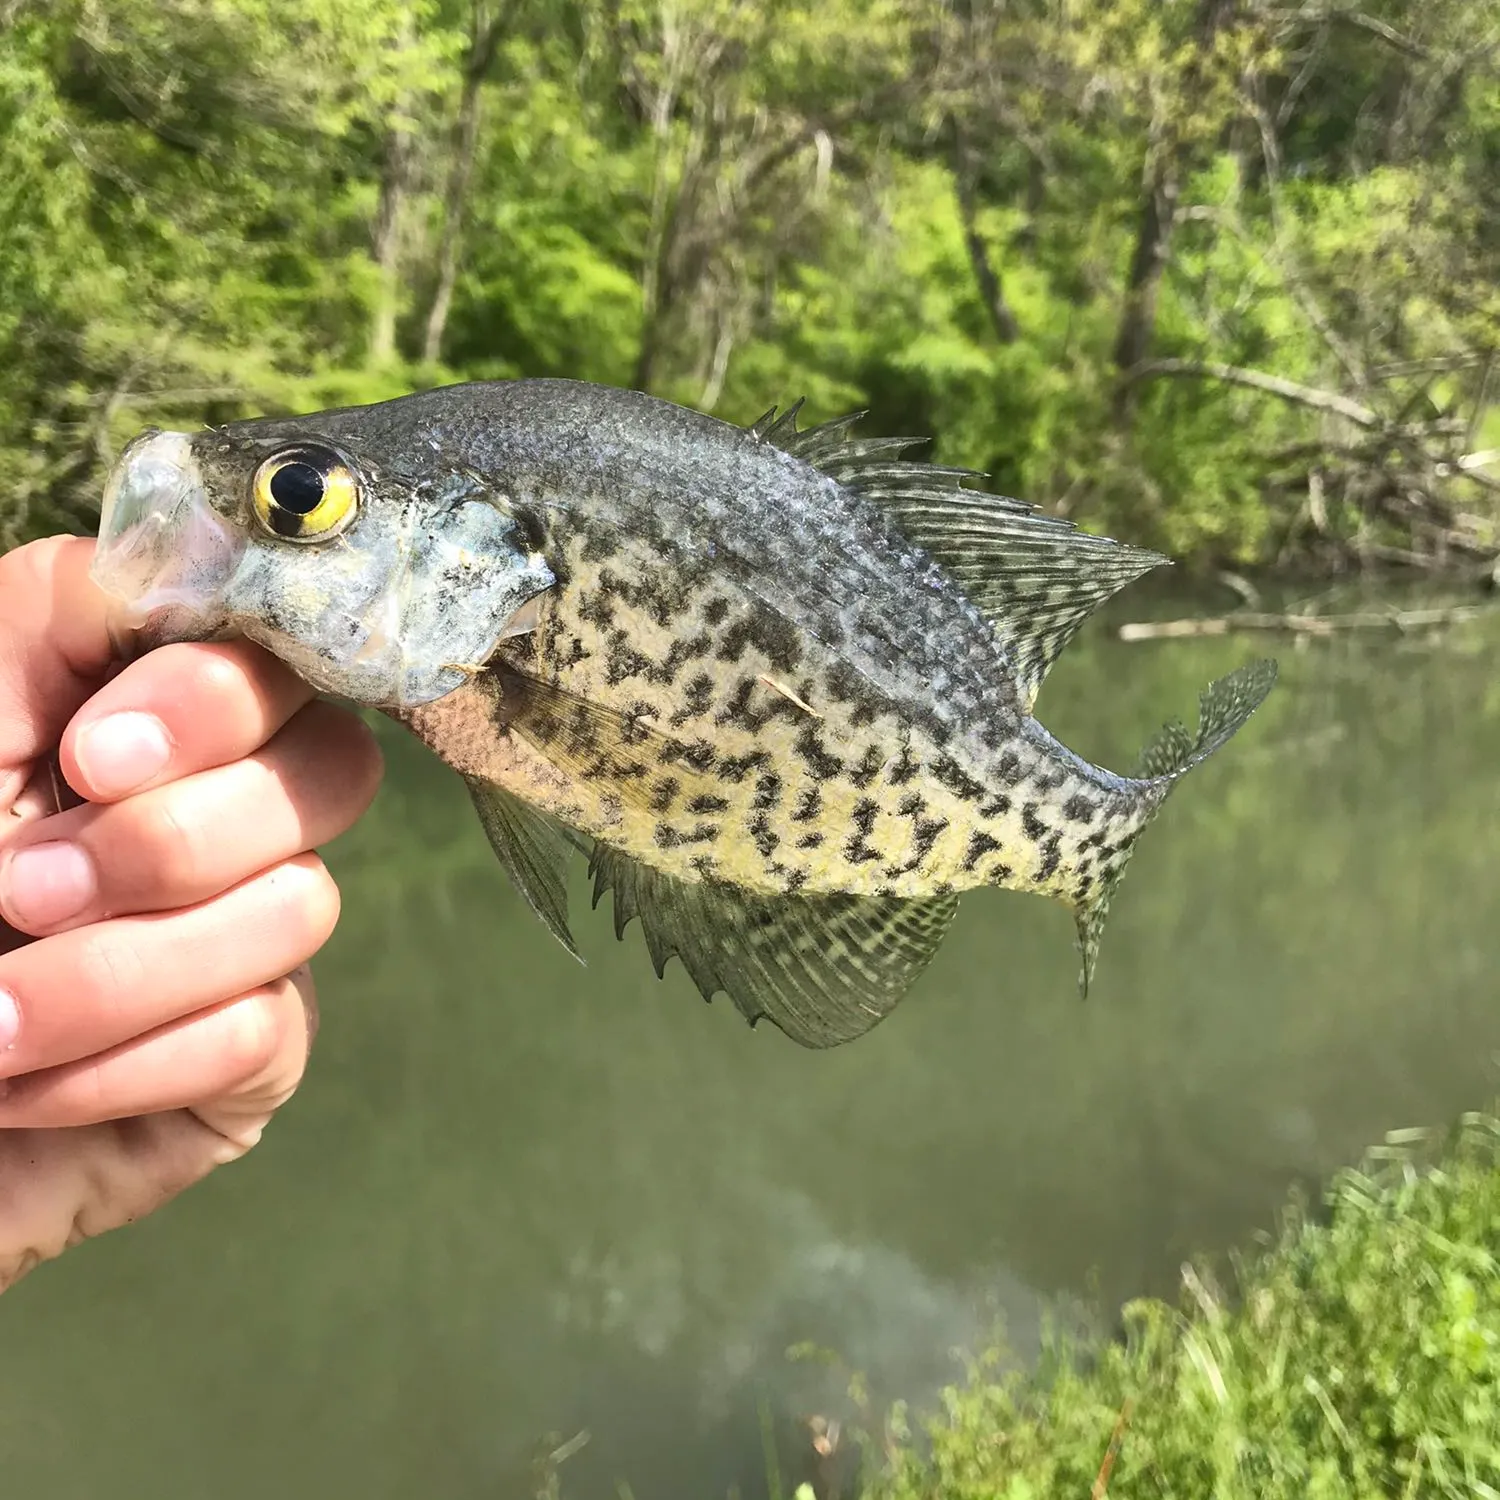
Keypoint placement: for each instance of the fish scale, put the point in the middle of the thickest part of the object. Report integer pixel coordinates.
(857, 802)
(776, 683)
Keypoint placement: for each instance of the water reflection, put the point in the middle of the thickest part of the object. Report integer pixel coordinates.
(518, 1197)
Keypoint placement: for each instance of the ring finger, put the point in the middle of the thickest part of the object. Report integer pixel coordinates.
(84, 991)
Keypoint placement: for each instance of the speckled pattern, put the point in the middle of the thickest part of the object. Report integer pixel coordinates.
(801, 700)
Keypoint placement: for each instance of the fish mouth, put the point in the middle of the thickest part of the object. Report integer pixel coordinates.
(164, 555)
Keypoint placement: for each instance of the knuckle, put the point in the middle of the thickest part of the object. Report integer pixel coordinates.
(34, 562)
(173, 847)
(110, 968)
(215, 676)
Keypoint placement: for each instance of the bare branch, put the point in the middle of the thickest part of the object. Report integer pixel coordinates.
(1337, 15)
(1258, 380)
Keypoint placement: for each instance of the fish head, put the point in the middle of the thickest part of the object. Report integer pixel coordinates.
(378, 573)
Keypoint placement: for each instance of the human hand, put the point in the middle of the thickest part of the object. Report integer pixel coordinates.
(155, 1005)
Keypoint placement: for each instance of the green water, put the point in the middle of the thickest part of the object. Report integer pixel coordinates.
(518, 1197)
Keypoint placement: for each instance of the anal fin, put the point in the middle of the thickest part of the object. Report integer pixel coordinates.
(824, 969)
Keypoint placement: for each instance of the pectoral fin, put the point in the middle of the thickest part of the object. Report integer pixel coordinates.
(534, 848)
(624, 754)
(824, 969)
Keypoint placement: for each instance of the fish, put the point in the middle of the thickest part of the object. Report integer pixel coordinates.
(775, 683)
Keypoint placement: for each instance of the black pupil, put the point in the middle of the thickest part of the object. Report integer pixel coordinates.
(298, 488)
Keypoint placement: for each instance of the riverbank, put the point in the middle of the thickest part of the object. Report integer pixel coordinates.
(1359, 1355)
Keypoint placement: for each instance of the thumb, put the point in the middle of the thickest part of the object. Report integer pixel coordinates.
(55, 649)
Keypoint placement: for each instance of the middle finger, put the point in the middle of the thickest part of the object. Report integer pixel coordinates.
(181, 843)
(82, 992)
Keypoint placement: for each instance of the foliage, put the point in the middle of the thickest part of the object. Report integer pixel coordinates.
(1361, 1357)
(1216, 274)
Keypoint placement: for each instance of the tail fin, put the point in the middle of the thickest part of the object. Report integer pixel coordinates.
(1223, 707)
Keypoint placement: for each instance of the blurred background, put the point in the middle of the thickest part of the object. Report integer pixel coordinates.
(1221, 274)
(1217, 276)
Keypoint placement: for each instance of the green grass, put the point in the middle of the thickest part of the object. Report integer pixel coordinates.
(1358, 1356)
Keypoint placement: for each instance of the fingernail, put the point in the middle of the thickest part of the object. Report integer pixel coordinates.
(10, 1020)
(46, 884)
(123, 751)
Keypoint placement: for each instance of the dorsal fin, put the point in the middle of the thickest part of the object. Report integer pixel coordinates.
(1035, 577)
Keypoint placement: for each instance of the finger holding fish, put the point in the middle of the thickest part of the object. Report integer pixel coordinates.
(183, 842)
(175, 711)
(80, 993)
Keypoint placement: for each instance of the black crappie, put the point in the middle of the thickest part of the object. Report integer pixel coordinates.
(776, 684)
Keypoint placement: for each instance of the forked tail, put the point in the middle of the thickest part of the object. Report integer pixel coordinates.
(1223, 707)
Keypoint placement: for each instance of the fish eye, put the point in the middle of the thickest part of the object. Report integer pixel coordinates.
(305, 495)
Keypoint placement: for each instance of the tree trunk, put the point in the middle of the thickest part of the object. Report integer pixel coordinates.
(1166, 160)
(991, 293)
(484, 41)
(390, 223)
(1153, 246)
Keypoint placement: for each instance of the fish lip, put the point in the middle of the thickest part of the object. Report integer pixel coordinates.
(164, 555)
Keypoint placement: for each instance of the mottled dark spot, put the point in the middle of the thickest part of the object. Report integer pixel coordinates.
(809, 805)
(679, 653)
(774, 637)
(737, 709)
(759, 827)
(980, 844)
(668, 837)
(1031, 825)
(996, 807)
(866, 810)
(664, 794)
(820, 763)
(1079, 808)
(595, 608)
(707, 804)
(767, 791)
(910, 805)
(598, 546)
(715, 611)
(1051, 858)
(738, 767)
(844, 685)
(1008, 768)
(621, 660)
(924, 836)
(868, 768)
(857, 849)
(905, 767)
(698, 755)
(947, 772)
(810, 841)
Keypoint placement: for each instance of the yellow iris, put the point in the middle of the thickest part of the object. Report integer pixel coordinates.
(307, 495)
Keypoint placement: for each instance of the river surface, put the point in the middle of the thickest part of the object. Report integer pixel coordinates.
(519, 1202)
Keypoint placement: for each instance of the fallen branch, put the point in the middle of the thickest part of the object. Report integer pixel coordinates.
(1396, 620)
